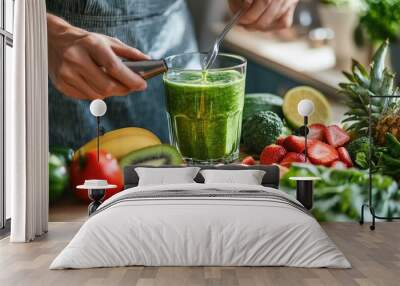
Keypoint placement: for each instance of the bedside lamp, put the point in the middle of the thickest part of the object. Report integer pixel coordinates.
(305, 109)
(96, 187)
(304, 185)
(98, 108)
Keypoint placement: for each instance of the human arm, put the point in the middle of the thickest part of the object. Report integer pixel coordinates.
(85, 65)
(265, 14)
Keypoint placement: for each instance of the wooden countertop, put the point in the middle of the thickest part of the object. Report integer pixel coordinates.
(295, 59)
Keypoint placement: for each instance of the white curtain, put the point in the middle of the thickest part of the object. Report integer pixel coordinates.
(27, 124)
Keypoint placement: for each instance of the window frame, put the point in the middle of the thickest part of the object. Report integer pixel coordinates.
(6, 39)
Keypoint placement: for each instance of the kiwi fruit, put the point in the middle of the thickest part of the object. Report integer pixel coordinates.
(155, 155)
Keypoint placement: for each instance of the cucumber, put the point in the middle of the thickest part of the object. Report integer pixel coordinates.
(256, 102)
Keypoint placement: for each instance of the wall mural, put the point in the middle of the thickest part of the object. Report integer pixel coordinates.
(212, 121)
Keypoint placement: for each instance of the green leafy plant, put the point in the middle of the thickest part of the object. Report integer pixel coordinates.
(381, 20)
(359, 152)
(364, 84)
(340, 192)
(389, 157)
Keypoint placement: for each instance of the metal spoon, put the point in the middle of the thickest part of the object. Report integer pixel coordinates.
(213, 52)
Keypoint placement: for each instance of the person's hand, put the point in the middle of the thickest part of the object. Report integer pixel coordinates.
(86, 65)
(265, 14)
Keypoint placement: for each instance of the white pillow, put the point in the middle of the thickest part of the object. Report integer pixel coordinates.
(248, 177)
(166, 176)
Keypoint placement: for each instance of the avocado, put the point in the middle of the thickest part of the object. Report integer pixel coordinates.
(155, 155)
(256, 102)
(260, 130)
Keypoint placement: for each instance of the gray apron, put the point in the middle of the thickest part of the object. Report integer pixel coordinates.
(159, 28)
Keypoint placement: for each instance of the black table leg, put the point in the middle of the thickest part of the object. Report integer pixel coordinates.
(96, 196)
(304, 193)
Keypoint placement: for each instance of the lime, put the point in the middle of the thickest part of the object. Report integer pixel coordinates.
(322, 112)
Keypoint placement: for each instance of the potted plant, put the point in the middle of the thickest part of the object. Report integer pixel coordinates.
(342, 16)
(381, 21)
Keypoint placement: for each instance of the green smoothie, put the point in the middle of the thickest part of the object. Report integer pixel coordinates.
(205, 113)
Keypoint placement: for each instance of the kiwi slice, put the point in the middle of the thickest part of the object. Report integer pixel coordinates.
(156, 155)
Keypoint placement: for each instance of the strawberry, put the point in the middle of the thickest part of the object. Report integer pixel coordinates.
(272, 154)
(249, 160)
(338, 165)
(293, 157)
(280, 140)
(336, 136)
(297, 144)
(344, 156)
(322, 154)
(294, 143)
(316, 131)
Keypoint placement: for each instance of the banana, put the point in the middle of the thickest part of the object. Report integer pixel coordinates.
(121, 142)
(129, 131)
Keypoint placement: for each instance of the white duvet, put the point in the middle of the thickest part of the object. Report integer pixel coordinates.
(192, 231)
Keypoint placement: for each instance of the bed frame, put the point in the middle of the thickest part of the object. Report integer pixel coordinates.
(270, 179)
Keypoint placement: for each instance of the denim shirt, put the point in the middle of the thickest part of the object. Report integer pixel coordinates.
(159, 28)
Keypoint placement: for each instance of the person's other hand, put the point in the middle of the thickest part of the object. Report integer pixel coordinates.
(265, 14)
(86, 65)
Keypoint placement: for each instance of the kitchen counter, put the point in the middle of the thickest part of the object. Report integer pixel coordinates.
(295, 60)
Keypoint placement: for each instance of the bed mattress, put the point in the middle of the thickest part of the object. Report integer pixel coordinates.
(201, 225)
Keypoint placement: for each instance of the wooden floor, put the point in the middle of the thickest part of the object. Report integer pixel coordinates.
(375, 257)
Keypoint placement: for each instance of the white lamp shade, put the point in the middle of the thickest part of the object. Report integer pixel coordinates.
(305, 107)
(98, 107)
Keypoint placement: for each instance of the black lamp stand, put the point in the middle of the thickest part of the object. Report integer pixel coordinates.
(304, 185)
(305, 136)
(305, 193)
(96, 196)
(303, 131)
(98, 137)
(370, 203)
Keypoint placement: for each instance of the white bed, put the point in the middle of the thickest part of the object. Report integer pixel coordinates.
(248, 226)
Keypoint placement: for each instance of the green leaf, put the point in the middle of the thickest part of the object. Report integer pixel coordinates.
(349, 76)
(391, 162)
(381, 20)
(378, 65)
(393, 145)
(340, 192)
(357, 111)
(387, 83)
(361, 68)
(359, 75)
(362, 160)
(350, 118)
